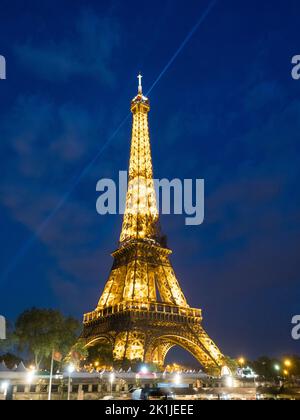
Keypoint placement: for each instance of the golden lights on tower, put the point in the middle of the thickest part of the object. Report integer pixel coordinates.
(142, 312)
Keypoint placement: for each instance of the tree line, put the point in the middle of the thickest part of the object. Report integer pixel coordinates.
(37, 334)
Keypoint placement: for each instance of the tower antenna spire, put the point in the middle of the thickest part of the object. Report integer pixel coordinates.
(140, 83)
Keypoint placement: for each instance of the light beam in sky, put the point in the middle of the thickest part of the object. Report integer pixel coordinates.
(75, 182)
(183, 44)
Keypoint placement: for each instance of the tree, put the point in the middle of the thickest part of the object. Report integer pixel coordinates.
(77, 353)
(11, 340)
(265, 367)
(271, 369)
(40, 331)
(10, 360)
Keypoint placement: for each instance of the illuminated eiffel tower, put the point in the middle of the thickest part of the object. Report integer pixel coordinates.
(130, 316)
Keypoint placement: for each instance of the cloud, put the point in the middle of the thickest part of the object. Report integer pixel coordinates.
(249, 240)
(45, 145)
(89, 50)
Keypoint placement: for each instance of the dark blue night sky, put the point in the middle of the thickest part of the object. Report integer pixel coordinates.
(227, 110)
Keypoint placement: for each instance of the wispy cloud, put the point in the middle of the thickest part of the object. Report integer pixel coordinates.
(88, 50)
(45, 144)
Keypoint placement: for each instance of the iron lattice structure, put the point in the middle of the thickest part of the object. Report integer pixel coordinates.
(129, 315)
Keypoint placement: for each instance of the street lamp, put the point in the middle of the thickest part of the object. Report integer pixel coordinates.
(229, 381)
(177, 379)
(277, 367)
(7, 389)
(71, 369)
(287, 363)
(30, 376)
(286, 372)
(112, 378)
(144, 370)
(241, 361)
(4, 387)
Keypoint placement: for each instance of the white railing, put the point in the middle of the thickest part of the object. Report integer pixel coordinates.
(149, 307)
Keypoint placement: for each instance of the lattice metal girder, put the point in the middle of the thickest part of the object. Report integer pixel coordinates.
(129, 314)
(139, 270)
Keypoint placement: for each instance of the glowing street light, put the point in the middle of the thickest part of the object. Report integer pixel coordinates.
(30, 375)
(229, 381)
(144, 370)
(112, 378)
(70, 369)
(177, 379)
(287, 363)
(277, 367)
(241, 361)
(4, 387)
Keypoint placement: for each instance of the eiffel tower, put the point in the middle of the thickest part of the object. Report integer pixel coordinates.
(142, 312)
